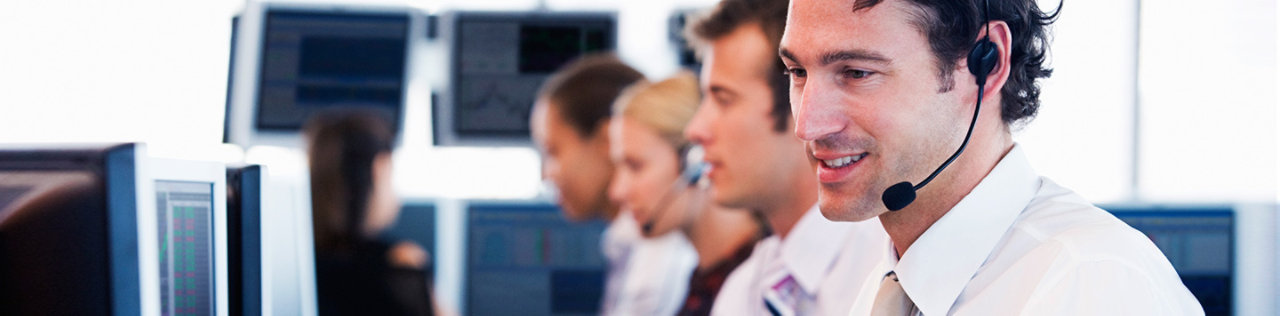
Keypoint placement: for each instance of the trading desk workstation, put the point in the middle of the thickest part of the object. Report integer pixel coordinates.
(120, 232)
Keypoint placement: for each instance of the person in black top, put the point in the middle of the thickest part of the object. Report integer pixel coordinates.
(352, 203)
(647, 146)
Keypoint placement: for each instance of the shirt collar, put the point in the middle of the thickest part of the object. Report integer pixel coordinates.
(935, 269)
(811, 248)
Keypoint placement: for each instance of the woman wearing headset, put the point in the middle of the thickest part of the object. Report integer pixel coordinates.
(648, 148)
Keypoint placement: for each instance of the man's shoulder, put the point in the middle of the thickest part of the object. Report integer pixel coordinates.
(1064, 226)
(1058, 214)
(1062, 244)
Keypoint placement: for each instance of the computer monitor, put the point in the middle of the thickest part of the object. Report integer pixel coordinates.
(499, 61)
(1199, 242)
(76, 237)
(244, 239)
(312, 59)
(191, 229)
(526, 259)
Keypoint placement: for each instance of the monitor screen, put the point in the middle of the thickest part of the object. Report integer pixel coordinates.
(533, 261)
(314, 60)
(500, 61)
(1198, 242)
(185, 226)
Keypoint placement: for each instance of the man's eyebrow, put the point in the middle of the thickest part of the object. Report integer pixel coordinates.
(786, 54)
(856, 54)
(843, 55)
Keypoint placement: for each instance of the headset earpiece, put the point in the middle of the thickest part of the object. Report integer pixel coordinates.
(691, 169)
(982, 60)
(691, 165)
(983, 56)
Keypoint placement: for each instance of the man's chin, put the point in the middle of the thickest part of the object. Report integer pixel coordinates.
(846, 210)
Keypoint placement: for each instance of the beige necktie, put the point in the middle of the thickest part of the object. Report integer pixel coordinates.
(891, 300)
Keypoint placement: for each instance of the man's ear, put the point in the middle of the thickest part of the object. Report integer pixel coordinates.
(1002, 37)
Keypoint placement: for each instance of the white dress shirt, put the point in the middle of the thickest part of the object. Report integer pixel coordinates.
(1020, 244)
(828, 260)
(645, 276)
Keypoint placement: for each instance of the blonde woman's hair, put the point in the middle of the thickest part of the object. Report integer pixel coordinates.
(666, 106)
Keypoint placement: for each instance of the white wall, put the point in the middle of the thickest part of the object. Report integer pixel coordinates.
(94, 71)
(1082, 136)
(1208, 110)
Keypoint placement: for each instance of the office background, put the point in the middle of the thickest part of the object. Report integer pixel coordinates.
(1170, 102)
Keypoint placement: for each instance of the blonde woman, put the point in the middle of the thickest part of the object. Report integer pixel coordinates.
(647, 146)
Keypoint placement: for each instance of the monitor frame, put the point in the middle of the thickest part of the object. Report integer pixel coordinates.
(247, 49)
(244, 239)
(194, 171)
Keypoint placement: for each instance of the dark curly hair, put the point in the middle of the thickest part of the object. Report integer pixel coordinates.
(952, 25)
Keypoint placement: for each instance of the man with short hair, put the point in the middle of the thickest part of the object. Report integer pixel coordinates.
(569, 124)
(810, 266)
(886, 92)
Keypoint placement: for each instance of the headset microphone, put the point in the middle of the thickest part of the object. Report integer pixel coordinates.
(692, 170)
(981, 61)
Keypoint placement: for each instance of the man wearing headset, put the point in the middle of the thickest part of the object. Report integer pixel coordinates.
(810, 266)
(885, 92)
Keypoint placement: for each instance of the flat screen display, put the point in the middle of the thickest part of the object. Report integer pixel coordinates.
(532, 259)
(500, 61)
(185, 229)
(316, 60)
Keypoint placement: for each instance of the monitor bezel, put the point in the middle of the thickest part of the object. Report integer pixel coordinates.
(240, 123)
(193, 171)
(245, 225)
